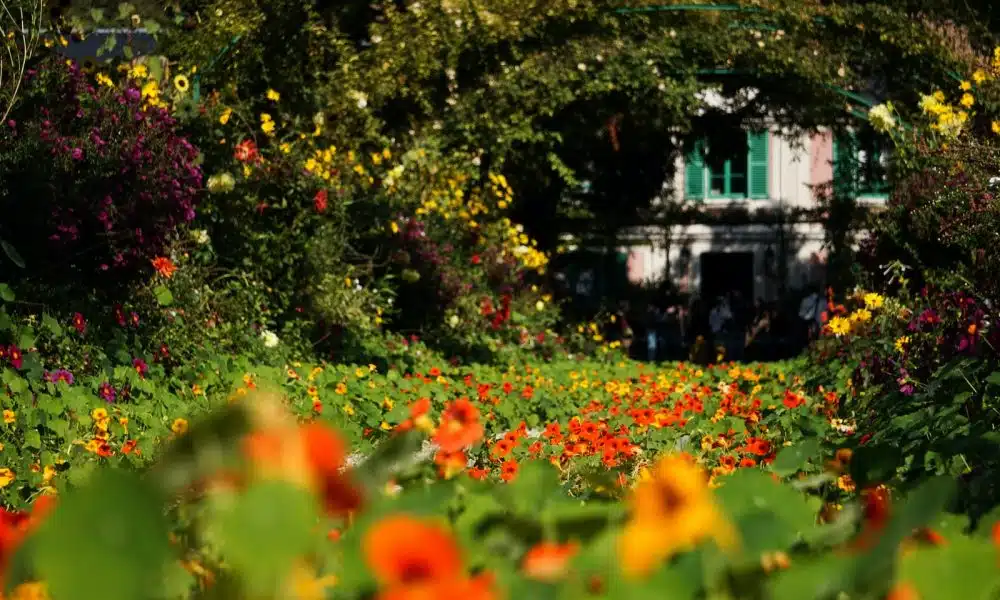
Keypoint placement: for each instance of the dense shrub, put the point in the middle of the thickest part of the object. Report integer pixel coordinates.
(95, 177)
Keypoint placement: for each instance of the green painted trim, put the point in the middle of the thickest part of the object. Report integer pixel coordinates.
(196, 80)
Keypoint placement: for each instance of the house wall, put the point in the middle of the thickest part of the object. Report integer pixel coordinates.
(797, 166)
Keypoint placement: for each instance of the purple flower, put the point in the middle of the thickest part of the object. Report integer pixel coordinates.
(107, 392)
(77, 154)
(59, 375)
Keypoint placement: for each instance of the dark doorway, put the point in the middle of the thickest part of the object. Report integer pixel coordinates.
(724, 272)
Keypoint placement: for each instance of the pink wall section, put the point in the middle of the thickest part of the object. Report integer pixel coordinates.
(821, 158)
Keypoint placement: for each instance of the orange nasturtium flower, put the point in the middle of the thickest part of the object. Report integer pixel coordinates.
(416, 559)
(164, 266)
(310, 454)
(548, 561)
(672, 511)
(460, 426)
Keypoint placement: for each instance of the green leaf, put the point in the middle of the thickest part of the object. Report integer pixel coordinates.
(105, 540)
(163, 295)
(263, 543)
(537, 483)
(52, 325)
(12, 254)
(963, 568)
(152, 27)
(97, 14)
(6, 294)
(32, 439)
(125, 10)
(769, 515)
(793, 459)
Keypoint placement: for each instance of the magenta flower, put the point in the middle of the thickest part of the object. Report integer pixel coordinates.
(106, 392)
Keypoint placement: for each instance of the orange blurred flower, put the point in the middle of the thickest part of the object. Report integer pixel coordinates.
(416, 559)
(324, 455)
(548, 561)
(460, 426)
(15, 527)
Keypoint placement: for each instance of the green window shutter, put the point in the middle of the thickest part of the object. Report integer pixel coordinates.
(694, 173)
(845, 166)
(757, 168)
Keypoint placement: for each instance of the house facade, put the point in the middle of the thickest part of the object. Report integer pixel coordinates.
(771, 187)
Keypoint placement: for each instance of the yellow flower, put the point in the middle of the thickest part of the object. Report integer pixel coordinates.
(965, 86)
(360, 372)
(902, 342)
(995, 126)
(151, 90)
(839, 326)
(32, 590)
(341, 388)
(104, 80)
(672, 510)
(8, 416)
(138, 71)
(99, 414)
(273, 95)
(6, 477)
(845, 483)
(305, 584)
(226, 114)
(967, 100)
(349, 409)
(873, 300)
(48, 473)
(181, 84)
(266, 124)
(861, 315)
(179, 426)
(197, 391)
(285, 147)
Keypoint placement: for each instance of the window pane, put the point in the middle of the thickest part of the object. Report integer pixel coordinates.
(738, 184)
(717, 184)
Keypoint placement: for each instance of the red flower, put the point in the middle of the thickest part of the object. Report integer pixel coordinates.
(164, 266)
(246, 151)
(476, 260)
(320, 200)
(79, 323)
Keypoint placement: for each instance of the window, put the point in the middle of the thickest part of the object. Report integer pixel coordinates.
(738, 173)
(861, 164)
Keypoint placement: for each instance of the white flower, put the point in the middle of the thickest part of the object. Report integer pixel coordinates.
(200, 236)
(453, 321)
(539, 305)
(269, 338)
(881, 117)
(376, 39)
(477, 161)
(360, 97)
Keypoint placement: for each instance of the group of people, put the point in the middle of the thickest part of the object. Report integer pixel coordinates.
(746, 330)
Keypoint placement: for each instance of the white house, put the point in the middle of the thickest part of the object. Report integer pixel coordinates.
(777, 174)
